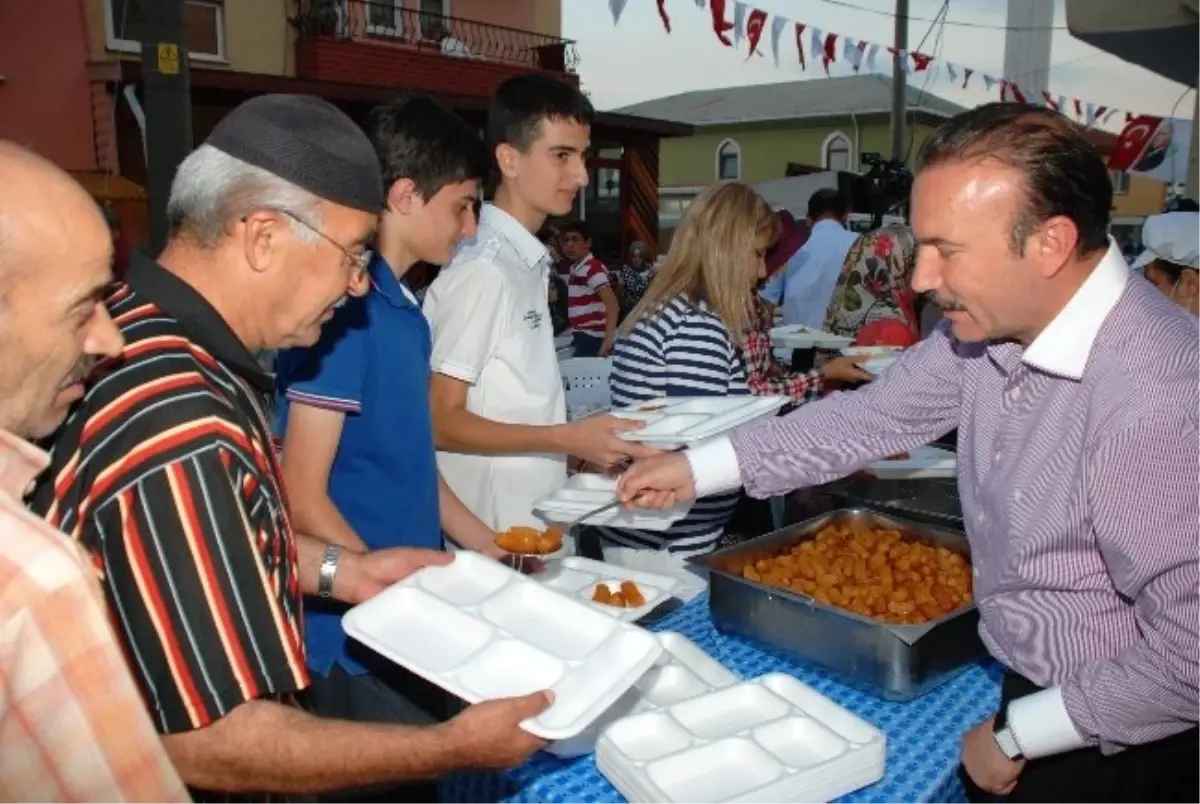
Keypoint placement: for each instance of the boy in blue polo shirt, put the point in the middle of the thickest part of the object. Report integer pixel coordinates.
(358, 452)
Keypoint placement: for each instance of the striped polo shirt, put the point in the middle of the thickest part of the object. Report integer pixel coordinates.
(683, 349)
(164, 472)
(585, 308)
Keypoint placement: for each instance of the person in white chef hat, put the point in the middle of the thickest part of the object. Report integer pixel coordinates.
(1171, 259)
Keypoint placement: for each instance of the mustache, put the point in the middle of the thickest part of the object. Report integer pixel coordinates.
(83, 369)
(949, 305)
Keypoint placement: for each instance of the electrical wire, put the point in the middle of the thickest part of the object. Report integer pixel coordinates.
(955, 23)
(939, 22)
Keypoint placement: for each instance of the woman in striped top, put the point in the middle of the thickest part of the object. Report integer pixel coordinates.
(683, 339)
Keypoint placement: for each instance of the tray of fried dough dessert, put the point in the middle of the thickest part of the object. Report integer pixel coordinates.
(481, 631)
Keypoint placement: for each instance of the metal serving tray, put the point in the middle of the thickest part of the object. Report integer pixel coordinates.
(896, 662)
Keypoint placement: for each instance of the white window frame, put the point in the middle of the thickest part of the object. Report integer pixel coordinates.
(129, 46)
(397, 26)
(737, 153)
(829, 140)
(1120, 182)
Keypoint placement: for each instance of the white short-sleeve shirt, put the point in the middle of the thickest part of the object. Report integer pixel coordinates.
(490, 317)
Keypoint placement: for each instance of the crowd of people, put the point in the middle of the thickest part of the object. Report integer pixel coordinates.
(209, 661)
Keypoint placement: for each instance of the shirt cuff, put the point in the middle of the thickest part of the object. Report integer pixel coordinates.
(1041, 726)
(714, 467)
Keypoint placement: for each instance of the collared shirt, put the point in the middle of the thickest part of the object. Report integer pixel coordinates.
(765, 377)
(372, 362)
(72, 726)
(584, 283)
(490, 317)
(165, 473)
(1077, 469)
(806, 283)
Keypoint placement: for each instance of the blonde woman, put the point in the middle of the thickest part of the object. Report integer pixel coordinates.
(683, 339)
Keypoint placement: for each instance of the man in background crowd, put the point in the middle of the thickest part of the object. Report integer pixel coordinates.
(1171, 258)
(72, 726)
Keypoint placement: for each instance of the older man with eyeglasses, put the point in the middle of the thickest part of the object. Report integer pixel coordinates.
(167, 475)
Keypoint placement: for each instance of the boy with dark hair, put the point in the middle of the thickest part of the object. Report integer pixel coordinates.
(358, 452)
(498, 407)
(592, 305)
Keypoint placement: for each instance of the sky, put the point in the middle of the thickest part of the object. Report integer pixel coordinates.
(638, 60)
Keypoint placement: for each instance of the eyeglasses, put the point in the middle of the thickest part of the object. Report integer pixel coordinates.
(356, 262)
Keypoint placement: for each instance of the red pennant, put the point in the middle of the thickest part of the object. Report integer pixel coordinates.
(1050, 101)
(720, 25)
(920, 61)
(754, 29)
(828, 57)
(1099, 112)
(967, 73)
(1078, 108)
(800, 26)
(1017, 95)
(662, 13)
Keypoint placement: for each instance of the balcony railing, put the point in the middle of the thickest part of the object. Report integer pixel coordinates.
(385, 20)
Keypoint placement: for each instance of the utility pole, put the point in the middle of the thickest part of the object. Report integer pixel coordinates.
(899, 79)
(168, 105)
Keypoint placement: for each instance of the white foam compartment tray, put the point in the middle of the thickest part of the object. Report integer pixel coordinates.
(480, 631)
(587, 492)
(770, 739)
(798, 336)
(681, 671)
(686, 420)
(922, 463)
(578, 577)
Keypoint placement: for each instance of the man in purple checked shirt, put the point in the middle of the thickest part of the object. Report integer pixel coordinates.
(1073, 384)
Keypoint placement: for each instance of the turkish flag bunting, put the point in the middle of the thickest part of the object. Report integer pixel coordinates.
(830, 48)
(967, 73)
(754, 29)
(721, 26)
(800, 26)
(1132, 143)
(662, 12)
(920, 61)
(1049, 99)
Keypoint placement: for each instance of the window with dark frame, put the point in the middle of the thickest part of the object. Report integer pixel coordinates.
(837, 153)
(729, 158)
(203, 20)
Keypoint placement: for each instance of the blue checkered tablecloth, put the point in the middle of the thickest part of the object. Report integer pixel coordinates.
(923, 734)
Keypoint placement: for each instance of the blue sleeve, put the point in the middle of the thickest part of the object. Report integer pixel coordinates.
(772, 292)
(330, 373)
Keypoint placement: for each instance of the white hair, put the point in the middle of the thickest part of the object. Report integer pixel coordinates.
(212, 188)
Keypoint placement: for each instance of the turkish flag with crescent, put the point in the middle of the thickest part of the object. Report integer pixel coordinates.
(754, 29)
(1133, 141)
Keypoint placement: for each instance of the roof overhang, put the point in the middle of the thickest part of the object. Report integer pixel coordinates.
(239, 84)
(1160, 35)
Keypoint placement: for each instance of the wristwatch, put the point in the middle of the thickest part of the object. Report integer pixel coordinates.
(329, 566)
(1005, 737)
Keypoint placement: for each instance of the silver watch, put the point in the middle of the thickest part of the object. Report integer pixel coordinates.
(329, 566)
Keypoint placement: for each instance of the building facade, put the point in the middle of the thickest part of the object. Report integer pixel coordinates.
(78, 100)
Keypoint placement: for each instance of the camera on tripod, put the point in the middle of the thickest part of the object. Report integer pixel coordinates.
(886, 185)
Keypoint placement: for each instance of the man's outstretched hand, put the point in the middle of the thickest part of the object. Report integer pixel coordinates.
(361, 576)
(661, 481)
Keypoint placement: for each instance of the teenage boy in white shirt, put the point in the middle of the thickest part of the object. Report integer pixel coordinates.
(499, 412)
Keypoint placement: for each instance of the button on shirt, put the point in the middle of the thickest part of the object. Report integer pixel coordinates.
(491, 329)
(806, 283)
(165, 473)
(72, 725)
(1077, 469)
(372, 363)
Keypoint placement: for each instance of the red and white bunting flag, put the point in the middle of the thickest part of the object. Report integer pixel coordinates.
(739, 22)
(701, 3)
(777, 26)
(872, 52)
(1079, 110)
(1133, 141)
(617, 7)
(1048, 100)
(662, 14)
(967, 73)
(921, 61)
(1062, 104)
(800, 26)
(1110, 114)
(951, 72)
(754, 29)
(817, 44)
(989, 82)
(721, 26)
(905, 63)
(830, 51)
(860, 48)
(1011, 92)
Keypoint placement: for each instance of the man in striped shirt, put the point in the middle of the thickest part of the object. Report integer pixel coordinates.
(72, 727)
(1073, 384)
(592, 307)
(166, 472)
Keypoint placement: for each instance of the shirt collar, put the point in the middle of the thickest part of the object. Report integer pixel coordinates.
(532, 250)
(385, 283)
(1064, 346)
(20, 463)
(197, 317)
